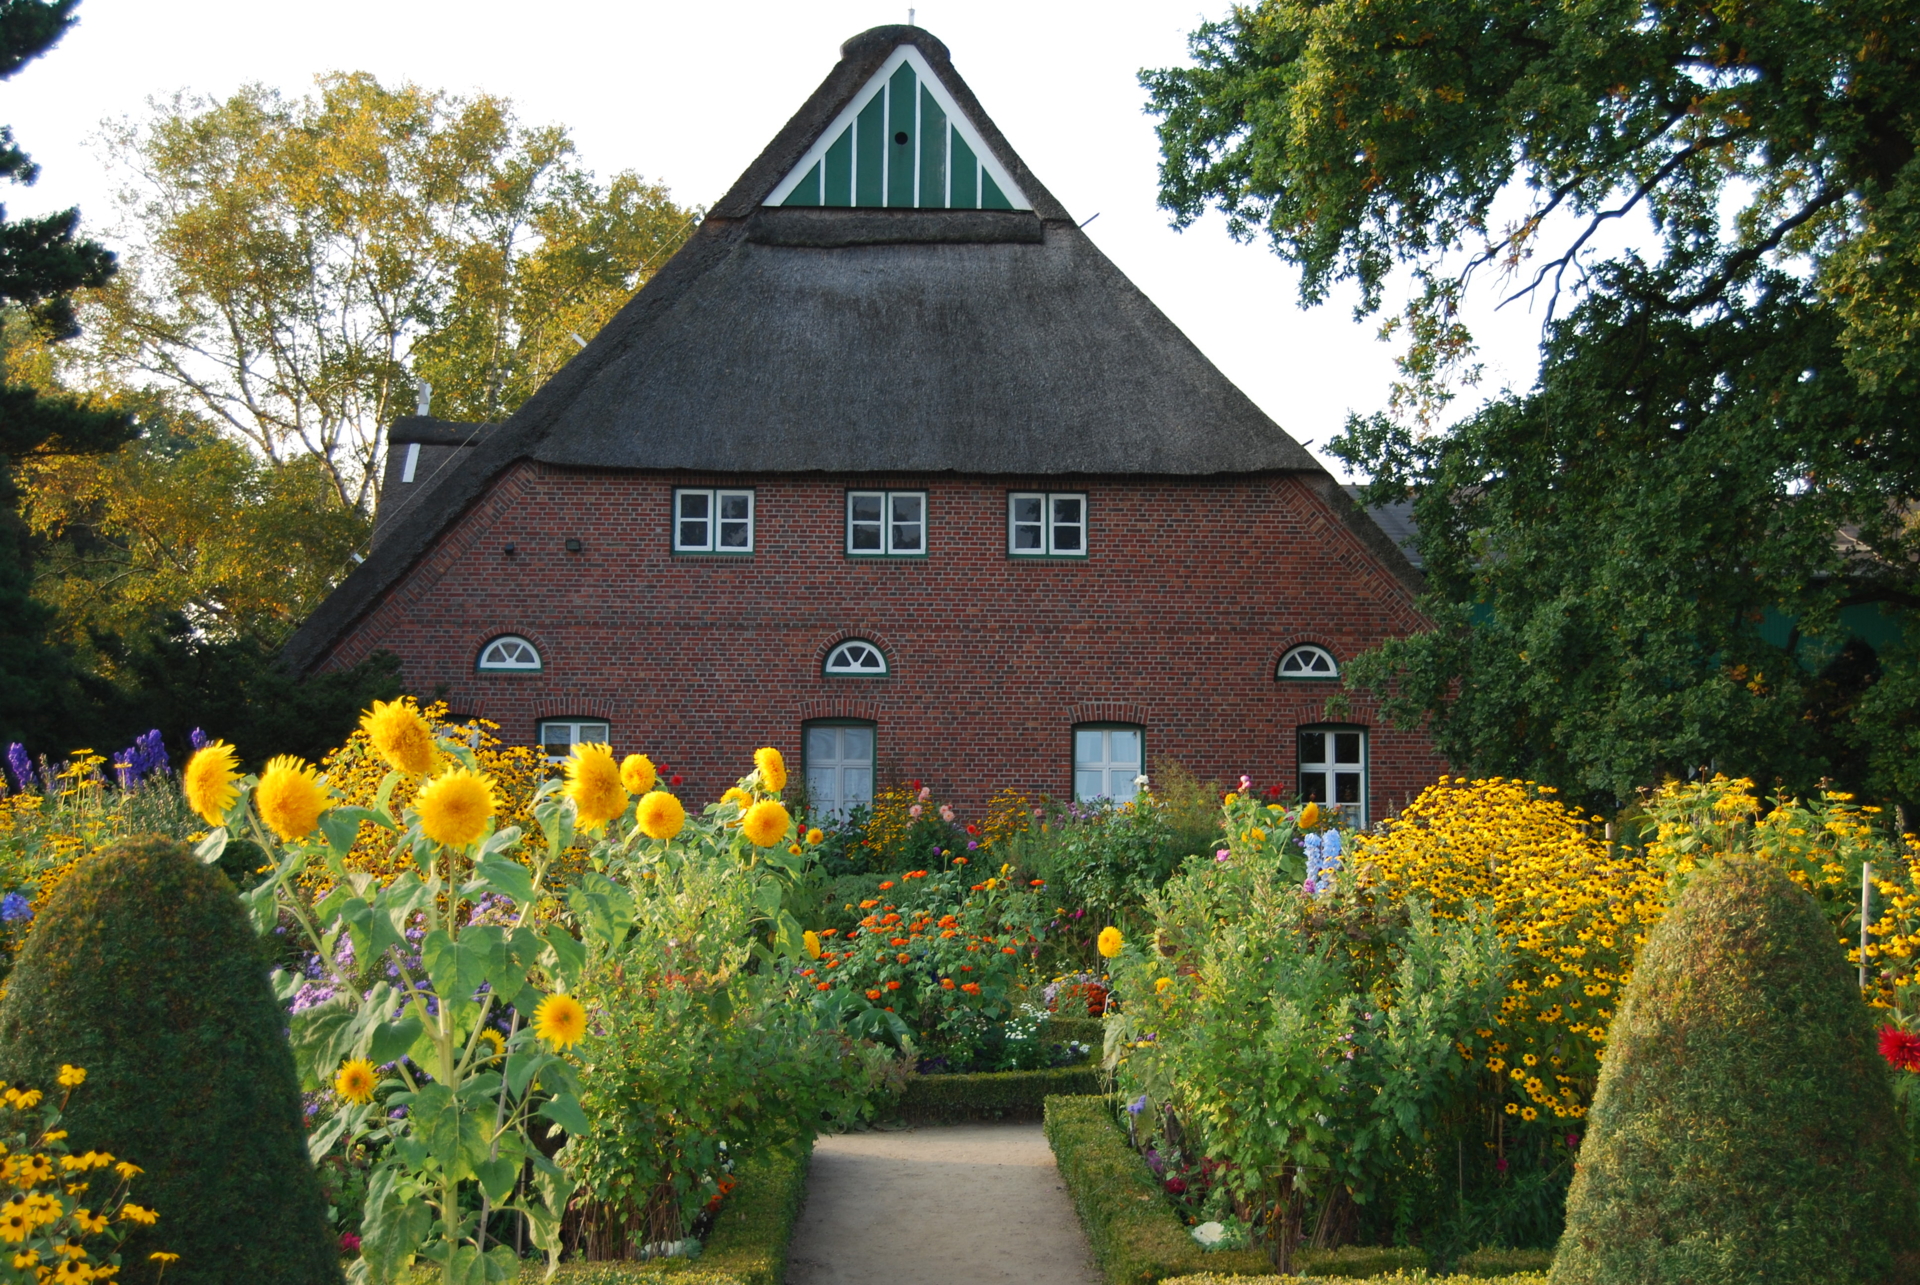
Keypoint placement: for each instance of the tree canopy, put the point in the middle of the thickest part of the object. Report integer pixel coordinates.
(1695, 540)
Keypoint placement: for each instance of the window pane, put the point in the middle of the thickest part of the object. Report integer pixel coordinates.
(856, 787)
(1067, 524)
(736, 535)
(1346, 747)
(1313, 787)
(856, 745)
(864, 508)
(1120, 784)
(823, 788)
(597, 733)
(907, 514)
(735, 505)
(693, 505)
(1124, 751)
(1313, 748)
(694, 532)
(823, 743)
(1089, 748)
(864, 537)
(863, 519)
(1089, 785)
(1028, 527)
(1346, 787)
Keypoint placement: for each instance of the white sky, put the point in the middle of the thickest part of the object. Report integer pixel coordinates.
(689, 94)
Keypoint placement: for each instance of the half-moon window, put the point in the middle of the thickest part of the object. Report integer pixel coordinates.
(856, 658)
(1308, 661)
(509, 652)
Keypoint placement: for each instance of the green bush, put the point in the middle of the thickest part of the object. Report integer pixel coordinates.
(1485, 1263)
(1135, 1235)
(1393, 1278)
(993, 1095)
(144, 970)
(1359, 1261)
(1743, 1129)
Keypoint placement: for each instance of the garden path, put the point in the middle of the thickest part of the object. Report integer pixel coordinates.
(938, 1205)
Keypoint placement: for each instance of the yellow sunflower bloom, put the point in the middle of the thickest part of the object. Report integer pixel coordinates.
(1161, 985)
(1110, 941)
(593, 783)
(401, 735)
(816, 836)
(496, 1041)
(290, 797)
(766, 823)
(357, 1081)
(772, 768)
(1310, 816)
(637, 774)
(660, 815)
(455, 807)
(560, 1021)
(738, 797)
(211, 782)
(811, 940)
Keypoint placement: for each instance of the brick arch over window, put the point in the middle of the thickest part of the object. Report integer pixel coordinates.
(540, 642)
(840, 706)
(864, 634)
(564, 706)
(1107, 712)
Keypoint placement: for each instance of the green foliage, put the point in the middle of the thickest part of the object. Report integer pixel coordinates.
(1486, 1263)
(1109, 858)
(993, 1095)
(1639, 565)
(143, 969)
(1135, 1236)
(1387, 1278)
(1360, 1261)
(1744, 1126)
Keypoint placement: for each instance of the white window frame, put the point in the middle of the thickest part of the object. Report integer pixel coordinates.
(1050, 524)
(1307, 653)
(887, 524)
(576, 733)
(1128, 770)
(827, 792)
(844, 651)
(509, 667)
(713, 520)
(1330, 769)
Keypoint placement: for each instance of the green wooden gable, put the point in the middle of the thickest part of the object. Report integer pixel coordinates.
(900, 144)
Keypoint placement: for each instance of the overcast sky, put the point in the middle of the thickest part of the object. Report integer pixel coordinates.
(689, 94)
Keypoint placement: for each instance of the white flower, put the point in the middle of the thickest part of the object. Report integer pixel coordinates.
(1140, 781)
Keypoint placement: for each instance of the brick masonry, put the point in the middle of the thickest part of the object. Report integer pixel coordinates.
(1192, 591)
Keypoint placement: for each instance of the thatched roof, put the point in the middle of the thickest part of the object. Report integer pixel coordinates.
(789, 339)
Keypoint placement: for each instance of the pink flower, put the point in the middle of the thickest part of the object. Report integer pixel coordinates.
(1246, 782)
(946, 813)
(926, 792)
(914, 811)
(349, 1243)
(1223, 854)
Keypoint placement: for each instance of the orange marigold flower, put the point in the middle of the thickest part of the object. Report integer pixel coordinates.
(893, 986)
(873, 994)
(971, 988)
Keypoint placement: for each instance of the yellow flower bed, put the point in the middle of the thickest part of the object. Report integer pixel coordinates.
(1573, 909)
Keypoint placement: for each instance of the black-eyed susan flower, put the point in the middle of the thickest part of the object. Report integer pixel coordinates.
(72, 1077)
(772, 768)
(211, 782)
(290, 797)
(593, 783)
(137, 1214)
(455, 807)
(356, 1081)
(401, 735)
(660, 815)
(560, 1021)
(88, 1221)
(15, 1223)
(637, 773)
(766, 823)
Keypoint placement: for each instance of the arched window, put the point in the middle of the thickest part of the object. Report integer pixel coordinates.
(1308, 661)
(509, 653)
(857, 658)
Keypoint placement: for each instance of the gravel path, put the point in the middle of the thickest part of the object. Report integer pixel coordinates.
(940, 1205)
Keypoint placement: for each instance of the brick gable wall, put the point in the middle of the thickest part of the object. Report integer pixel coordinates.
(1177, 619)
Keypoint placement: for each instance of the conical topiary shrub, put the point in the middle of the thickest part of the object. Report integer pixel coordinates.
(144, 970)
(1744, 1128)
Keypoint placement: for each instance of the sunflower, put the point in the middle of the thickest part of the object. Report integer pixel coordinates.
(455, 806)
(738, 797)
(356, 1081)
(816, 835)
(290, 797)
(660, 815)
(1111, 941)
(811, 940)
(766, 823)
(401, 735)
(560, 1021)
(1310, 816)
(637, 774)
(211, 782)
(773, 769)
(593, 783)
(498, 1042)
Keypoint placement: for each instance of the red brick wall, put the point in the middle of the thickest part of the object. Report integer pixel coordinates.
(1192, 591)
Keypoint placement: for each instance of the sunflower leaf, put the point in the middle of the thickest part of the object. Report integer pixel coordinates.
(212, 846)
(510, 878)
(565, 1112)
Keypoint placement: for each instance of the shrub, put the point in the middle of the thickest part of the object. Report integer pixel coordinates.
(1394, 1278)
(145, 970)
(1743, 1129)
(1002, 1095)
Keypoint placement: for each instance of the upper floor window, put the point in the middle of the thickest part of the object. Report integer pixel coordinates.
(712, 521)
(1107, 762)
(558, 736)
(1333, 770)
(510, 652)
(1308, 661)
(1046, 524)
(857, 658)
(882, 523)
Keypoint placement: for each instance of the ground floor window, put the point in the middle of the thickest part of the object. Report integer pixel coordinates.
(839, 764)
(1107, 761)
(1333, 769)
(558, 736)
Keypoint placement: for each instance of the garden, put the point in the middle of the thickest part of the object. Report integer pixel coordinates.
(436, 1009)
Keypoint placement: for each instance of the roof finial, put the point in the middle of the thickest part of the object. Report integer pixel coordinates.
(909, 17)
(422, 397)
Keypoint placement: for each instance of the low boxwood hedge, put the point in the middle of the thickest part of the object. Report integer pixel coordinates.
(993, 1095)
(1485, 1263)
(1397, 1278)
(747, 1246)
(1359, 1261)
(1136, 1236)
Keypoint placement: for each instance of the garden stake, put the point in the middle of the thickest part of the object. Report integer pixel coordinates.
(1866, 893)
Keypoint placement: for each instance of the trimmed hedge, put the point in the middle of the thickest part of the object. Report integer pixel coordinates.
(1137, 1238)
(1359, 1261)
(1397, 1278)
(747, 1246)
(1090, 1031)
(993, 1095)
(1504, 1262)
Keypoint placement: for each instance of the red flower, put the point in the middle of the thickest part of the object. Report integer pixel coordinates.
(1900, 1048)
(893, 986)
(873, 994)
(971, 988)
(676, 779)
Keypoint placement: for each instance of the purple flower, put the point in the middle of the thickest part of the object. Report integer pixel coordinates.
(198, 740)
(147, 755)
(1138, 1105)
(21, 766)
(15, 907)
